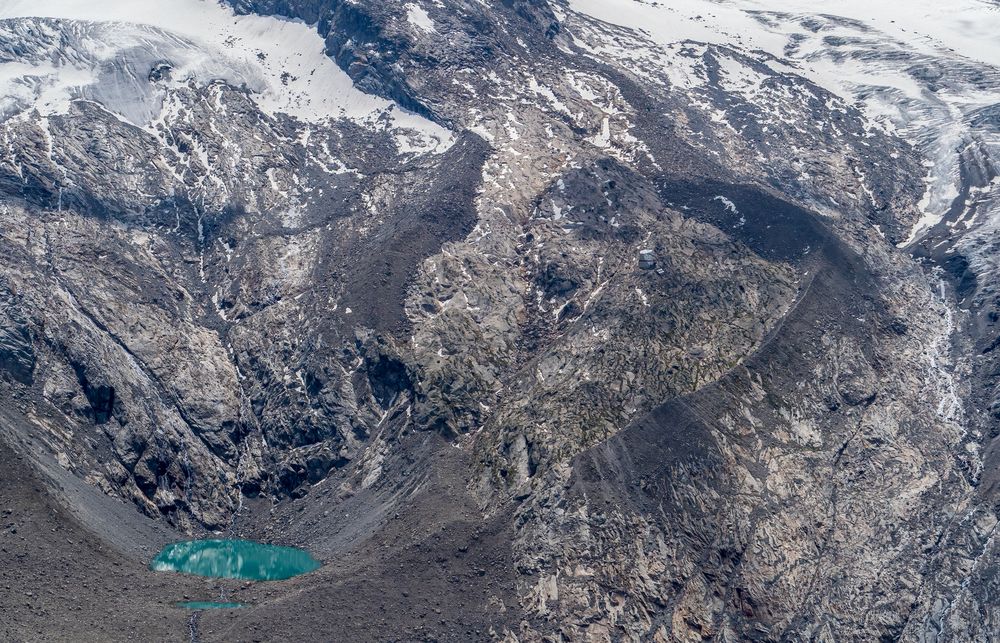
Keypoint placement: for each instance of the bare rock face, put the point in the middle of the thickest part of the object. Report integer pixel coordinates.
(17, 354)
(647, 318)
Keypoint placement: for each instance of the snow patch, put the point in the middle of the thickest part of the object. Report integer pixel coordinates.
(418, 17)
(729, 205)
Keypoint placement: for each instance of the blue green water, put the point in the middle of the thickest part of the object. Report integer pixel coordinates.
(209, 605)
(243, 559)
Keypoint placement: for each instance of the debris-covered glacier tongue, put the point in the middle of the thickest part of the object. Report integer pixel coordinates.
(531, 320)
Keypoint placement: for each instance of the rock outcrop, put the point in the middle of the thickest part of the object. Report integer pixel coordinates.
(426, 327)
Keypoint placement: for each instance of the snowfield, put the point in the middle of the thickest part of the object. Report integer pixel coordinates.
(921, 69)
(106, 57)
(966, 27)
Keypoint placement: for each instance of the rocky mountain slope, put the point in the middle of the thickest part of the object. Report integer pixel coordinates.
(364, 277)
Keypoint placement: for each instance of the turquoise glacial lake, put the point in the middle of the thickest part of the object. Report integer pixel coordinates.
(209, 605)
(242, 559)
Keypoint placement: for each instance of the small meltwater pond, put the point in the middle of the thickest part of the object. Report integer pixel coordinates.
(242, 559)
(209, 605)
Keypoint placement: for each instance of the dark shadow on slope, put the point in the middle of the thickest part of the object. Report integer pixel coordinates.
(379, 269)
(774, 229)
